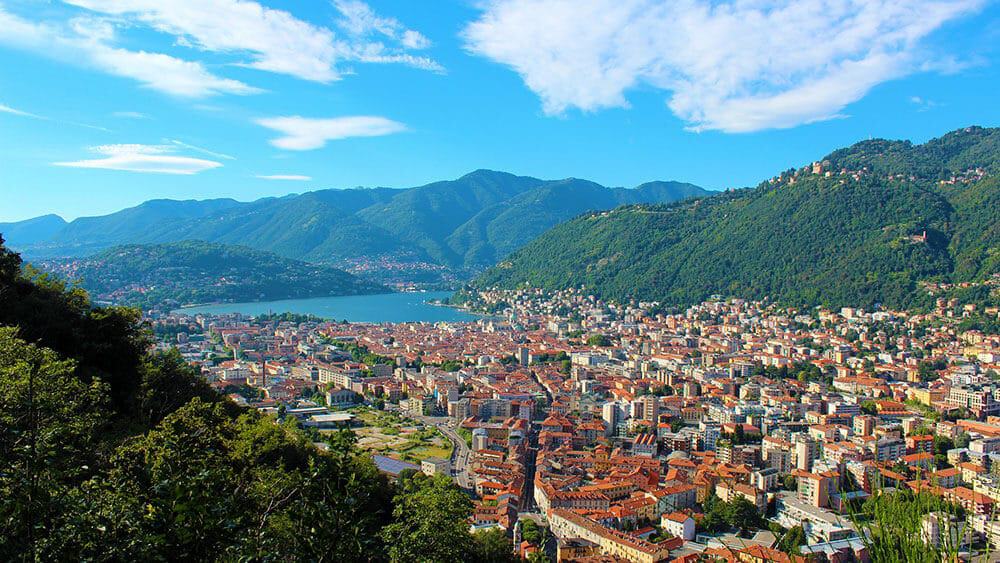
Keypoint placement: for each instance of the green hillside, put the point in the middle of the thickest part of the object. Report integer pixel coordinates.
(199, 272)
(469, 222)
(876, 220)
(500, 229)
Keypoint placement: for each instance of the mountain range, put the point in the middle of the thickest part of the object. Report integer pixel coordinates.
(882, 221)
(463, 224)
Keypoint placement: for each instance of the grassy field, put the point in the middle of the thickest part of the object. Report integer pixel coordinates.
(392, 435)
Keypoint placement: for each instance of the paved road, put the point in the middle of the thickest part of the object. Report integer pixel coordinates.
(460, 450)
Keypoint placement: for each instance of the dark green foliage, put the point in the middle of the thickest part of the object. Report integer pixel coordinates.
(199, 272)
(429, 521)
(833, 241)
(362, 354)
(530, 531)
(168, 383)
(492, 546)
(791, 540)
(49, 422)
(105, 343)
(738, 513)
(598, 340)
(205, 485)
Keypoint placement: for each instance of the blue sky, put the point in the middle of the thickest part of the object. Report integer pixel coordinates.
(107, 103)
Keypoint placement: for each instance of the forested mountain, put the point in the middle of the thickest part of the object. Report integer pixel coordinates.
(468, 222)
(88, 234)
(200, 272)
(109, 452)
(499, 229)
(31, 231)
(865, 225)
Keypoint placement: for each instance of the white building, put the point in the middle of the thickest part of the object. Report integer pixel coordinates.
(435, 466)
(678, 525)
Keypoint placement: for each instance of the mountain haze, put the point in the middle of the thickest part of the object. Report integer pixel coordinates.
(867, 224)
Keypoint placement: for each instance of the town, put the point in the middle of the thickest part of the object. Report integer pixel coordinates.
(588, 430)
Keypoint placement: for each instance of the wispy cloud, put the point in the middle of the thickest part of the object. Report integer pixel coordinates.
(130, 115)
(7, 109)
(201, 150)
(285, 177)
(302, 133)
(369, 32)
(155, 159)
(923, 104)
(274, 40)
(13, 111)
(89, 41)
(733, 66)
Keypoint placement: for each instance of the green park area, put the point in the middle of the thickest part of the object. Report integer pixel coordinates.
(393, 435)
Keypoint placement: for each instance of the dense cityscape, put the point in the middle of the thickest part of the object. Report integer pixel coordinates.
(732, 429)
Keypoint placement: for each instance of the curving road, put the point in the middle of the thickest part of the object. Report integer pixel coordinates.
(460, 454)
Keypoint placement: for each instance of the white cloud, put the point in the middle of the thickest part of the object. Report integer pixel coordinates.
(88, 41)
(923, 104)
(13, 111)
(360, 20)
(302, 133)
(286, 177)
(735, 66)
(274, 40)
(142, 158)
(130, 115)
(202, 150)
(368, 31)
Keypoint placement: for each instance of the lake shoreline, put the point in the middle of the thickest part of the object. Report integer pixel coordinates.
(392, 307)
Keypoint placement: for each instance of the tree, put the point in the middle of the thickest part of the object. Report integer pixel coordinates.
(206, 485)
(49, 422)
(742, 514)
(598, 340)
(492, 546)
(788, 483)
(429, 522)
(530, 531)
(793, 538)
(962, 441)
(168, 383)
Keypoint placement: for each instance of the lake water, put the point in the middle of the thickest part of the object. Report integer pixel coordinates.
(383, 308)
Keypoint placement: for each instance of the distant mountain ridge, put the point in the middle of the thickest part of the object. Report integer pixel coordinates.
(191, 272)
(872, 223)
(465, 223)
(31, 231)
